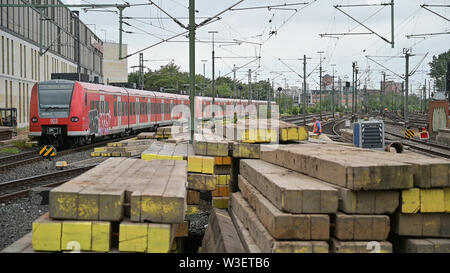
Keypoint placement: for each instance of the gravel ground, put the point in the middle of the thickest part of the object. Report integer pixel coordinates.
(42, 167)
(197, 228)
(16, 218)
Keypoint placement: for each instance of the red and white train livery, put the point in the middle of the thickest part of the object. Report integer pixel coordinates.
(73, 113)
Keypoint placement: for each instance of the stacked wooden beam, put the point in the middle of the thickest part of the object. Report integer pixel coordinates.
(146, 135)
(370, 184)
(261, 131)
(283, 211)
(6, 133)
(126, 148)
(169, 132)
(424, 216)
(346, 135)
(221, 235)
(212, 174)
(120, 194)
(167, 151)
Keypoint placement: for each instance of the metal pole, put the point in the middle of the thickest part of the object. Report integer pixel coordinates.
(392, 23)
(353, 88)
(320, 84)
(234, 84)
(269, 98)
(406, 86)
(304, 90)
(356, 90)
(213, 84)
(192, 65)
(383, 92)
(120, 31)
(332, 93)
(250, 86)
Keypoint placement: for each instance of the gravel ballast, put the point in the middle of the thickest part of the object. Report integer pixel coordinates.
(16, 218)
(42, 167)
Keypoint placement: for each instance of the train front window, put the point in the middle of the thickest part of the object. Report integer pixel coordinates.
(55, 98)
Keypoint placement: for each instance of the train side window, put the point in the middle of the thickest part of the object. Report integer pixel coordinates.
(107, 107)
(97, 106)
(85, 99)
(115, 108)
(92, 105)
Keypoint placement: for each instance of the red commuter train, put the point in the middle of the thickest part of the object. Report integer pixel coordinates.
(68, 113)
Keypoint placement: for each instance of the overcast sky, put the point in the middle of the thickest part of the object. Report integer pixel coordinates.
(296, 34)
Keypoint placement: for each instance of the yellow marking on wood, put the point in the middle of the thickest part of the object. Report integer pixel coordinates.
(76, 231)
(195, 164)
(410, 200)
(101, 236)
(447, 199)
(158, 240)
(208, 165)
(432, 200)
(46, 236)
(133, 237)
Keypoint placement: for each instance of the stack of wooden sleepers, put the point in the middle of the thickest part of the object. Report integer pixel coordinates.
(124, 204)
(261, 131)
(126, 148)
(209, 170)
(167, 151)
(340, 199)
(6, 132)
(422, 224)
(146, 135)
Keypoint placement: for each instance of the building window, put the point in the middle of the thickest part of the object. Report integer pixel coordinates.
(20, 103)
(7, 56)
(12, 58)
(6, 94)
(3, 54)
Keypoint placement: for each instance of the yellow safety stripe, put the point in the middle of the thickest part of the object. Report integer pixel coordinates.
(48, 152)
(43, 150)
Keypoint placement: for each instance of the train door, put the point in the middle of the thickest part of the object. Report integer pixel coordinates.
(119, 111)
(170, 110)
(137, 112)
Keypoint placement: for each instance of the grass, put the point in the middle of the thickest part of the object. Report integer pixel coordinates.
(22, 144)
(9, 150)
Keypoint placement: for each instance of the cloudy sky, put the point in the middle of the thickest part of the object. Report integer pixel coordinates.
(283, 33)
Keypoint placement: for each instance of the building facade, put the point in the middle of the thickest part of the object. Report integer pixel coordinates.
(21, 61)
(114, 69)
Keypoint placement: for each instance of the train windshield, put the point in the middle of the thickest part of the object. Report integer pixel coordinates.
(55, 98)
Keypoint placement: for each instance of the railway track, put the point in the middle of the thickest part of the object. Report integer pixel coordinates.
(9, 162)
(422, 146)
(22, 187)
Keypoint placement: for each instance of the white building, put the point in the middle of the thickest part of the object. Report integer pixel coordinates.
(114, 69)
(21, 64)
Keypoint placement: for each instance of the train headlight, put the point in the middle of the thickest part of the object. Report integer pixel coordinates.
(34, 119)
(75, 119)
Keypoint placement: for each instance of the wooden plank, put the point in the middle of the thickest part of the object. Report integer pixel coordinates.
(193, 197)
(417, 200)
(262, 237)
(201, 182)
(247, 241)
(422, 225)
(46, 234)
(353, 168)
(221, 235)
(425, 245)
(290, 191)
(283, 225)
(174, 196)
(367, 202)
(246, 150)
(349, 227)
(360, 246)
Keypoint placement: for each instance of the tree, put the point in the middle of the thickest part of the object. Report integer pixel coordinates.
(438, 69)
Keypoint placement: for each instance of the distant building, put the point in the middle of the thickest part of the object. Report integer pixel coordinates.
(22, 65)
(115, 70)
(327, 82)
(392, 86)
